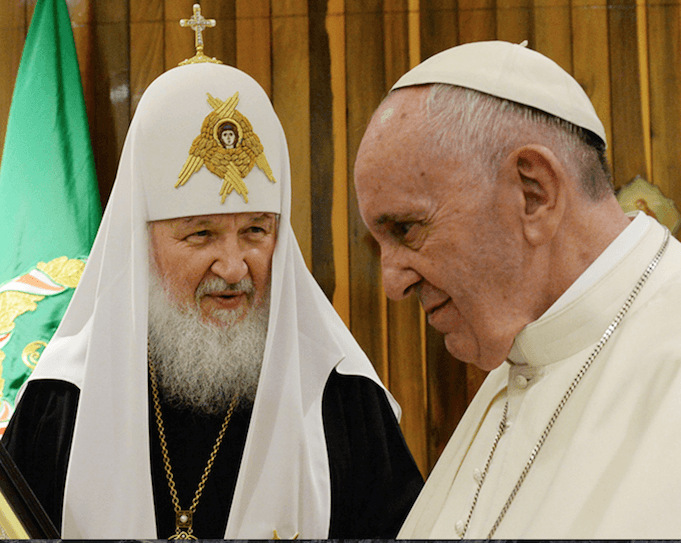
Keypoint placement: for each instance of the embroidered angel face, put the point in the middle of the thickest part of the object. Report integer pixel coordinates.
(228, 136)
(228, 147)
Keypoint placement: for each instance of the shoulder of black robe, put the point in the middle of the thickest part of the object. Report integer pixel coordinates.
(38, 438)
(374, 479)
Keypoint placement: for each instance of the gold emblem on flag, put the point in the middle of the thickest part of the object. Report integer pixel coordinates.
(32, 352)
(16, 298)
(13, 304)
(64, 270)
(228, 147)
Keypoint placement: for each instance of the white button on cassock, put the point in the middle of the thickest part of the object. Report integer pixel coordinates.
(521, 381)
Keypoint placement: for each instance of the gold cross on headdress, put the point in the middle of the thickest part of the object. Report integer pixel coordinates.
(198, 24)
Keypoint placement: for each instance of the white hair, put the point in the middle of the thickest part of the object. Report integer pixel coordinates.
(482, 129)
(201, 365)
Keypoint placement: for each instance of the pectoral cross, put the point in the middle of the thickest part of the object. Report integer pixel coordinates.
(198, 24)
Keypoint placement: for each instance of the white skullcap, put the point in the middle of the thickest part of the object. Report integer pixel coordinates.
(170, 116)
(512, 72)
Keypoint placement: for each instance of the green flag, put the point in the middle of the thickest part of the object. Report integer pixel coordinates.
(49, 202)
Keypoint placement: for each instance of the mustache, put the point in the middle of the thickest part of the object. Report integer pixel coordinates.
(217, 285)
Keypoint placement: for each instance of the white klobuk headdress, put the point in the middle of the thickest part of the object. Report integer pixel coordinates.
(173, 165)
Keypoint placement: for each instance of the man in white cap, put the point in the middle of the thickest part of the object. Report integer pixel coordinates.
(235, 404)
(501, 218)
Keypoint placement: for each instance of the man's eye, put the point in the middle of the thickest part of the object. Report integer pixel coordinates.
(408, 233)
(401, 229)
(254, 232)
(198, 235)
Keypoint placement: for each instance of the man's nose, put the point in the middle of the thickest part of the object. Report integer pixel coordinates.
(230, 262)
(399, 279)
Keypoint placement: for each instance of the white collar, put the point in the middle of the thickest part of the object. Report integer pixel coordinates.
(605, 262)
(583, 315)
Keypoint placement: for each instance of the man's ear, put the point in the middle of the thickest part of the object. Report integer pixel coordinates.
(542, 180)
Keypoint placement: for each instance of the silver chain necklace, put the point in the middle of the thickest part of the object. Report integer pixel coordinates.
(535, 451)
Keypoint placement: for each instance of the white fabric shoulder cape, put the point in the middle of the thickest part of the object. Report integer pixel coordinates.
(101, 344)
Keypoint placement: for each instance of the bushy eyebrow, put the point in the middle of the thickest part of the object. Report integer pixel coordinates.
(195, 221)
(264, 217)
(384, 219)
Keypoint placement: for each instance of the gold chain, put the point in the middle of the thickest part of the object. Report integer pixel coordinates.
(183, 518)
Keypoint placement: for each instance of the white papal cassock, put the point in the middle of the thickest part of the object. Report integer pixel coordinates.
(611, 465)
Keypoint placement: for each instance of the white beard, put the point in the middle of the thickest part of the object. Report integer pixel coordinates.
(203, 366)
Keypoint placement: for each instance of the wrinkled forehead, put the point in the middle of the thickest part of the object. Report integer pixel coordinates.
(402, 111)
(398, 125)
(180, 159)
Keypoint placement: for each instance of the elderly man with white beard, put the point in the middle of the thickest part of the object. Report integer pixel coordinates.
(200, 383)
(196, 317)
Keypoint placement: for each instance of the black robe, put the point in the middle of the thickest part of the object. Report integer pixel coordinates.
(374, 479)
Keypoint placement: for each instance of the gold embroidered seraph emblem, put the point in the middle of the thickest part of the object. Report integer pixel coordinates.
(228, 147)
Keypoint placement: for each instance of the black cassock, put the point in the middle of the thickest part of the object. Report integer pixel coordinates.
(374, 479)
